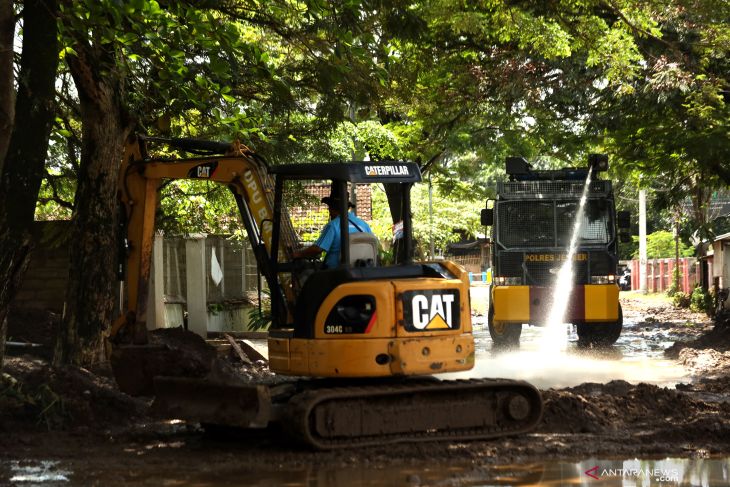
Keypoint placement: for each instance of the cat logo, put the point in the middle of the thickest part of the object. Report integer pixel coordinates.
(431, 310)
(204, 171)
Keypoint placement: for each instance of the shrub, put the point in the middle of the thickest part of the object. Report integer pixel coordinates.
(700, 301)
(676, 277)
(681, 299)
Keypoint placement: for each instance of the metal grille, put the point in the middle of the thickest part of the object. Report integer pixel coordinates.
(546, 224)
(526, 224)
(302, 201)
(545, 273)
(308, 214)
(594, 226)
(509, 264)
(550, 189)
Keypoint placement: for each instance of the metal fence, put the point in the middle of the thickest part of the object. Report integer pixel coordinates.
(660, 274)
(234, 260)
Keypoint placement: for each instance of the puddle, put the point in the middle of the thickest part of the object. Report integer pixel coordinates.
(45, 473)
(591, 472)
(632, 358)
(634, 472)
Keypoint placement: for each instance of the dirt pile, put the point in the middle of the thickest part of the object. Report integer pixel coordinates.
(718, 338)
(707, 356)
(35, 397)
(643, 412)
(661, 314)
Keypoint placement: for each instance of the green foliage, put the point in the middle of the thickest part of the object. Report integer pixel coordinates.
(673, 286)
(259, 317)
(309, 226)
(450, 220)
(700, 301)
(197, 207)
(681, 299)
(458, 85)
(660, 245)
(671, 126)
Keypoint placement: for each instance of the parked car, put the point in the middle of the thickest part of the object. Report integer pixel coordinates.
(624, 280)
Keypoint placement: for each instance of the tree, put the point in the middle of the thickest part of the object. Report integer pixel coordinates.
(208, 64)
(7, 92)
(670, 122)
(661, 245)
(22, 169)
(454, 85)
(93, 63)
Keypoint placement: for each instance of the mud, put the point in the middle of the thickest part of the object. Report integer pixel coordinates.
(610, 420)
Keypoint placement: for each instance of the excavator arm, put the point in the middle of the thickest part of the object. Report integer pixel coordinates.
(140, 179)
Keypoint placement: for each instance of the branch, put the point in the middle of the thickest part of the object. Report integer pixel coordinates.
(436, 157)
(55, 198)
(637, 30)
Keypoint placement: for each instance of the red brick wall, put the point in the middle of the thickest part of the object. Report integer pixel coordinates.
(364, 203)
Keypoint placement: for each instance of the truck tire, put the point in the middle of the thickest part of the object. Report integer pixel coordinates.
(600, 334)
(503, 334)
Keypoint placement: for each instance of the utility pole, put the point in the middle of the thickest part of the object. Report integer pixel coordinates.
(430, 216)
(642, 241)
(353, 186)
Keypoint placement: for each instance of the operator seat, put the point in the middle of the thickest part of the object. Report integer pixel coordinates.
(363, 249)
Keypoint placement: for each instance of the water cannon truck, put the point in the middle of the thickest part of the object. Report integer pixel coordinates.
(533, 220)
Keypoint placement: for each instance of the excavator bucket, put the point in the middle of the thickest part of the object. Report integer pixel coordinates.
(170, 352)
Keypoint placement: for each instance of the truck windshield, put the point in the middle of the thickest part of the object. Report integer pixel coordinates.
(550, 223)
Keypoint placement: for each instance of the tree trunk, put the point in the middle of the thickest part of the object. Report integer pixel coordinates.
(23, 168)
(89, 295)
(14, 263)
(7, 92)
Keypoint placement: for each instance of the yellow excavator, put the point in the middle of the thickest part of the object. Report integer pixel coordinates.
(355, 347)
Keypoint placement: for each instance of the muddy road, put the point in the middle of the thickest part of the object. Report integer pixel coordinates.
(602, 407)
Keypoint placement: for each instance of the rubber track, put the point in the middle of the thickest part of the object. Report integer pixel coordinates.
(302, 411)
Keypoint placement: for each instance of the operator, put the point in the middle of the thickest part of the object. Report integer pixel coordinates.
(329, 239)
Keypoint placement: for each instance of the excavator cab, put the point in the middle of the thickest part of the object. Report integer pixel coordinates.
(362, 339)
(366, 320)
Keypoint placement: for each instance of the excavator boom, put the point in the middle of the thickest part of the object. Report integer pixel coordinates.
(244, 173)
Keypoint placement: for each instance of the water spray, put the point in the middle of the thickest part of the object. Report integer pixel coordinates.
(555, 336)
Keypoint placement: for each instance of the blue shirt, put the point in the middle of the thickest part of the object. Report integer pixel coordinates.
(329, 240)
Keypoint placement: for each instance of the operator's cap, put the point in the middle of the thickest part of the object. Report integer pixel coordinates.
(335, 201)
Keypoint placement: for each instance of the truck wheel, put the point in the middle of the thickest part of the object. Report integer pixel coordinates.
(503, 333)
(601, 334)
